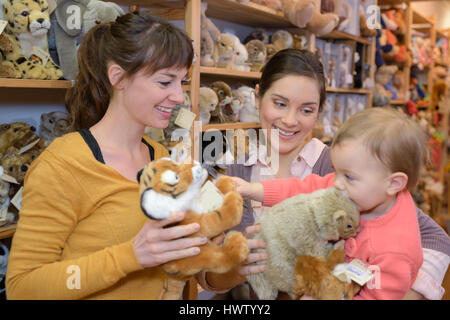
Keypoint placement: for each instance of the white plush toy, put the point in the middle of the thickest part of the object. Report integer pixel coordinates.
(240, 55)
(207, 103)
(248, 113)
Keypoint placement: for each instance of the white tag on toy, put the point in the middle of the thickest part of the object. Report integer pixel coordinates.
(185, 119)
(39, 55)
(17, 199)
(9, 179)
(340, 272)
(210, 197)
(28, 147)
(3, 24)
(358, 272)
(3, 213)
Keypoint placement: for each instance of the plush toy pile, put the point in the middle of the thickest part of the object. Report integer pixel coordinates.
(165, 187)
(27, 29)
(19, 146)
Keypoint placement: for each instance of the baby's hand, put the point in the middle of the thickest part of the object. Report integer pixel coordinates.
(253, 191)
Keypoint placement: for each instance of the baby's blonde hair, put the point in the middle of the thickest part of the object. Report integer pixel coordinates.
(398, 142)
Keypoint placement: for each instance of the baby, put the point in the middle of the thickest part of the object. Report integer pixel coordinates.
(377, 155)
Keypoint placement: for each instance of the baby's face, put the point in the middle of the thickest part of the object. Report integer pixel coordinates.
(361, 177)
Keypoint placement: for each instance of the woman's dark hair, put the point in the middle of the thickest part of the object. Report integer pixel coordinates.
(293, 62)
(134, 41)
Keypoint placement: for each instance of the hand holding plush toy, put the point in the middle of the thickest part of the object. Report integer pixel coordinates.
(165, 187)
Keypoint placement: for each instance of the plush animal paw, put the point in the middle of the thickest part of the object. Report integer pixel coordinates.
(235, 246)
(232, 208)
(225, 184)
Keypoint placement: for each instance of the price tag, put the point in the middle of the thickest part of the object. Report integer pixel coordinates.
(358, 272)
(17, 199)
(28, 147)
(3, 25)
(40, 55)
(210, 197)
(185, 118)
(9, 179)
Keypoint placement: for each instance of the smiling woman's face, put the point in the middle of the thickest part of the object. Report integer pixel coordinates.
(290, 105)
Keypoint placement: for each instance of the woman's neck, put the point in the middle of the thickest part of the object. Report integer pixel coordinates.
(285, 161)
(118, 132)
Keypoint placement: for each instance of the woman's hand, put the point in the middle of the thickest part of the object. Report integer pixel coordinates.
(254, 191)
(249, 266)
(155, 245)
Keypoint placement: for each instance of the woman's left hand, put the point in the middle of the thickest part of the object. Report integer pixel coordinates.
(250, 266)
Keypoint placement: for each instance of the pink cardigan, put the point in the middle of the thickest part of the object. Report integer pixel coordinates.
(390, 245)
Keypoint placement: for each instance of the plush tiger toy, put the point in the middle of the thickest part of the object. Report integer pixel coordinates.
(165, 187)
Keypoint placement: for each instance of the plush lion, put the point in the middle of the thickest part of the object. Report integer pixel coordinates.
(165, 187)
(302, 225)
(27, 28)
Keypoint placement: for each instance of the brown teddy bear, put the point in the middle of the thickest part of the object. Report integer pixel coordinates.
(14, 136)
(223, 112)
(165, 187)
(314, 277)
(256, 54)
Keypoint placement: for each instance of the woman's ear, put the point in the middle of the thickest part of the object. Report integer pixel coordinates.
(116, 75)
(397, 182)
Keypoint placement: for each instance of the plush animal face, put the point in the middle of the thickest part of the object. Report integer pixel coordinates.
(256, 51)
(166, 186)
(11, 134)
(208, 99)
(27, 16)
(56, 122)
(282, 39)
(222, 90)
(225, 46)
(16, 166)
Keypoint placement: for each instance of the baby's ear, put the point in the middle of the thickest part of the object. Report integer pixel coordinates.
(339, 215)
(397, 182)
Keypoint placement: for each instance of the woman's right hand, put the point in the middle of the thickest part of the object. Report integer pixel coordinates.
(155, 245)
(249, 266)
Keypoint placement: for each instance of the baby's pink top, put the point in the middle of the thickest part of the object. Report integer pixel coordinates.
(390, 244)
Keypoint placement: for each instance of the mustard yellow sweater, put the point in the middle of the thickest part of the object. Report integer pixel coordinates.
(78, 218)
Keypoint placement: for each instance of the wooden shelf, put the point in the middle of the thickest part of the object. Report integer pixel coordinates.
(236, 125)
(7, 231)
(397, 102)
(246, 13)
(418, 18)
(29, 83)
(349, 90)
(339, 35)
(229, 73)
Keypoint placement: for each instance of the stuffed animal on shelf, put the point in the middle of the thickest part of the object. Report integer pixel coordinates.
(240, 98)
(165, 187)
(256, 54)
(298, 12)
(27, 28)
(345, 14)
(314, 277)
(397, 82)
(258, 34)
(208, 102)
(224, 52)
(365, 31)
(7, 68)
(209, 35)
(282, 39)
(224, 111)
(14, 136)
(322, 23)
(54, 124)
(383, 85)
(240, 55)
(301, 225)
(68, 36)
(248, 111)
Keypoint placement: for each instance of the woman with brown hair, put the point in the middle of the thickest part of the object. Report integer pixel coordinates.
(81, 232)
